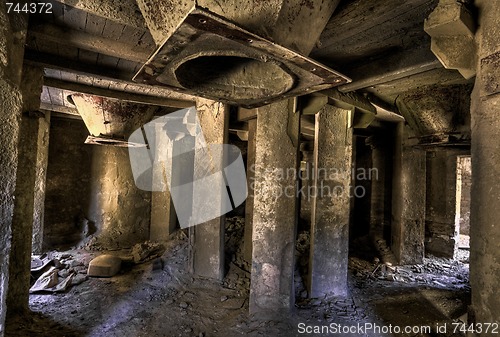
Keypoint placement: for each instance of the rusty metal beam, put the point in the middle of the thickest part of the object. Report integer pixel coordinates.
(82, 88)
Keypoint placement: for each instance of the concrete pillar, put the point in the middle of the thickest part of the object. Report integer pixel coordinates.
(12, 36)
(380, 157)
(331, 203)
(252, 128)
(484, 230)
(408, 203)
(275, 207)
(30, 189)
(207, 239)
(163, 217)
(441, 202)
(40, 182)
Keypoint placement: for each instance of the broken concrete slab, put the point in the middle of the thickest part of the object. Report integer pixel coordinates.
(104, 266)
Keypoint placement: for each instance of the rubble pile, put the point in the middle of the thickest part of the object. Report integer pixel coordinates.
(440, 272)
(238, 275)
(55, 272)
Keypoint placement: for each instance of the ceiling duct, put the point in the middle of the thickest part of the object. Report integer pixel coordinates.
(111, 121)
(439, 115)
(246, 52)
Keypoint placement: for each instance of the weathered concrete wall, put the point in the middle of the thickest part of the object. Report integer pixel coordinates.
(30, 187)
(331, 203)
(120, 211)
(207, 253)
(408, 202)
(485, 234)
(441, 202)
(12, 37)
(275, 208)
(68, 183)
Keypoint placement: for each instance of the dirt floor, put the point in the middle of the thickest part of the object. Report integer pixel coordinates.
(152, 299)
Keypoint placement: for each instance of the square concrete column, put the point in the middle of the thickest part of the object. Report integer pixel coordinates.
(275, 207)
(12, 36)
(42, 130)
(207, 239)
(408, 200)
(30, 189)
(252, 129)
(163, 217)
(380, 185)
(331, 200)
(441, 205)
(485, 160)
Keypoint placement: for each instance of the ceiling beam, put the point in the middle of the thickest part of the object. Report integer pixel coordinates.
(101, 73)
(59, 108)
(86, 89)
(125, 12)
(60, 63)
(97, 44)
(389, 68)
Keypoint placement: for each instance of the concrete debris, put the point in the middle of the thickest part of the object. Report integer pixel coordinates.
(445, 273)
(145, 251)
(49, 282)
(158, 264)
(104, 266)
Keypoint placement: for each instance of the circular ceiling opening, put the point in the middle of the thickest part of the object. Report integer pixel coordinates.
(233, 77)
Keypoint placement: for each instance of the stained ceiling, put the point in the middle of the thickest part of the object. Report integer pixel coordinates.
(84, 45)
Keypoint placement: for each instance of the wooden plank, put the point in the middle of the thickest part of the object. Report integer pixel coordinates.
(351, 19)
(112, 30)
(390, 68)
(88, 89)
(57, 13)
(74, 18)
(106, 61)
(95, 24)
(82, 40)
(128, 66)
(68, 52)
(393, 26)
(87, 57)
(55, 62)
(132, 35)
(49, 47)
(127, 13)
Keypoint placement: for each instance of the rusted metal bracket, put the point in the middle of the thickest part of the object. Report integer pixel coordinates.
(207, 50)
